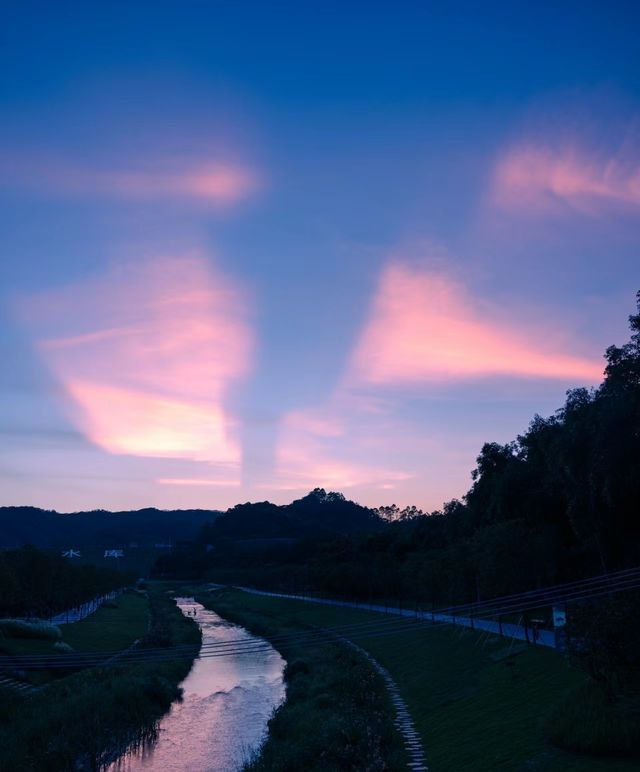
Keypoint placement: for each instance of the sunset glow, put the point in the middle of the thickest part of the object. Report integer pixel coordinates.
(533, 178)
(424, 327)
(148, 356)
(319, 395)
(241, 260)
(204, 181)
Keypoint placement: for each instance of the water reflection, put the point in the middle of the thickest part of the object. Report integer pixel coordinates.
(222, 720)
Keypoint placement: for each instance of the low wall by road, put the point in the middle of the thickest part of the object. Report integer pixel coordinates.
(507, 629)
(84, 610)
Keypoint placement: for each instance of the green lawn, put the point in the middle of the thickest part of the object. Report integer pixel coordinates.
(478, 702)
(109, 629)
(89, 716)
(337, 716)
(26, 646)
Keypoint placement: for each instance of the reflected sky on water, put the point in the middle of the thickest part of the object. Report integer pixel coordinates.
(222, 720)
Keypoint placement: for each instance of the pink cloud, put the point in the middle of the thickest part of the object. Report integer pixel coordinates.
(331, 448)
(314, 423)
(197, 482)
(143, 423)
(302, 466)
(217, 183)
(214, 182)
(147, 355)
(424, 327)
(532, 178)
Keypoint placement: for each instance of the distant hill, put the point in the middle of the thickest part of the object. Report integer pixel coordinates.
(253, 535)
(99, 528)
(317, 514)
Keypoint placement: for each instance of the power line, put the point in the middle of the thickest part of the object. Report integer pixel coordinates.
(570, 592)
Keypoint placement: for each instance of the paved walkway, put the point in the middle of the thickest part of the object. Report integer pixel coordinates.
(6, 682)
(83, 611)
(509, 630)
(403, 722)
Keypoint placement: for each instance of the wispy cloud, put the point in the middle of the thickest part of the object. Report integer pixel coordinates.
(197, 482)
(425, 327)
(218, 183)
(147, 355)
(332, 447)
(303, 462)
(315, 423)
(533, 177)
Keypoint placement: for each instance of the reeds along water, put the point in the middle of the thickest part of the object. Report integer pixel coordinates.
(138, 743)
(221, 720)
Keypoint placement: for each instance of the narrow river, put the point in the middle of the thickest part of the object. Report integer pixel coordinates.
(222, 720)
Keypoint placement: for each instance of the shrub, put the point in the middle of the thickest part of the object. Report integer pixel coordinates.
(589, 721)
(604, 640)
(19, 628)
(87, 719)
(296, 667)
(62, 646)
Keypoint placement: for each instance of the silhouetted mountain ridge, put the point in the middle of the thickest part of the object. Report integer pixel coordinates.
(51, 529)
(316, 514)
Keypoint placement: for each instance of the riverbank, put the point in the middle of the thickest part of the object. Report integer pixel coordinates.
(92, 714)
(337, 715)
(478, 702)
(227, 701)
(115, 626)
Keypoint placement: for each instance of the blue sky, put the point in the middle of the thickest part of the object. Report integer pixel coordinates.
(249, 248)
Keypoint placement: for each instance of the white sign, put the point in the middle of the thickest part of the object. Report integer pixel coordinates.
(559, 616)
(113, 553)
(70, 554)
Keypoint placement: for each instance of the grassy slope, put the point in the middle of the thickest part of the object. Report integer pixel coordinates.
(108, 628)
(337, 715)
(475, 707)
(88, 711)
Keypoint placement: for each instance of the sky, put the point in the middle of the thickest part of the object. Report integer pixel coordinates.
(248, 249)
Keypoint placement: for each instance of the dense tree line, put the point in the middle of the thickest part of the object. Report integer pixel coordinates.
(562, 501)
(318, 514)
(38, 584)
(49, 529)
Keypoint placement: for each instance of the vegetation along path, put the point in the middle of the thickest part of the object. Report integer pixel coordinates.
(508, 629)
(404, 722)
(339, 712)
(83, 718)
(477, 702)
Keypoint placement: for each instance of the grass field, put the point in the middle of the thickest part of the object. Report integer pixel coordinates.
(479, 703)
(82, 719)
(337, 715)
(110, 628)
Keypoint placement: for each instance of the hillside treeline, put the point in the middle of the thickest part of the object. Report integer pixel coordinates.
(561, 501)
(36, 584)
(250, 535)
(48, 529)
